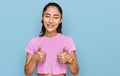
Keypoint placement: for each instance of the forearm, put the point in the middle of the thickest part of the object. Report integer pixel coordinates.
(29, 68)
(74, 69)
(72, 63)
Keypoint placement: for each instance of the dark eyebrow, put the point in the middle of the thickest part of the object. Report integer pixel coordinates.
(47, 14)
(54, 14)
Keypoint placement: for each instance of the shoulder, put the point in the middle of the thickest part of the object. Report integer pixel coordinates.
(67, 38)
(35, 39)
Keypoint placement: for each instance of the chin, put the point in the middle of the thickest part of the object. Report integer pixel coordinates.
(50, 30)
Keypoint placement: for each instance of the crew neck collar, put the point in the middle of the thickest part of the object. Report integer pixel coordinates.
(52, 37)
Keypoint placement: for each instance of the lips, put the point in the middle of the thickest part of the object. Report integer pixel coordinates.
(50, 25)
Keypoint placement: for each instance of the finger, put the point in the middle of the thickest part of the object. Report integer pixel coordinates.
(41, 56)
(64, 50)
(41, 59)
(44, 59)
(60, 57)
(44, 54)
(39, 49)
(61, 61)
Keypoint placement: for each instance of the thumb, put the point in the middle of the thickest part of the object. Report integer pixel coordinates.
(64, 50)
(39, 49)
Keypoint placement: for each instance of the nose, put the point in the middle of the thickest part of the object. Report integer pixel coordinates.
(51, 20)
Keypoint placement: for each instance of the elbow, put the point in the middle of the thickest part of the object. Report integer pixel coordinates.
(28, 72)
(75, 72)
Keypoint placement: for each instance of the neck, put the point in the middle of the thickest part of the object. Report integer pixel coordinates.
(50, 34)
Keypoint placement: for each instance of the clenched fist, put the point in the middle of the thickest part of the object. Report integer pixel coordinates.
(65, 57)
(40, 56)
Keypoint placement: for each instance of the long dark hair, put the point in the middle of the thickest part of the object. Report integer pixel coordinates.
(59, 29)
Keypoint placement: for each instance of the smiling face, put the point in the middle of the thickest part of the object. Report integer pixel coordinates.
(51, 19)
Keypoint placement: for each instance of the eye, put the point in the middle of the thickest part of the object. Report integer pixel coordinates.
(47, 16)
(56, 17)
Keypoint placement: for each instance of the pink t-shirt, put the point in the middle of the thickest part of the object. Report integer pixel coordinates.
(52, 47)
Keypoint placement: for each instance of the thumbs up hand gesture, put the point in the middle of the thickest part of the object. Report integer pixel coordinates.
(40, 56)
(63, 58)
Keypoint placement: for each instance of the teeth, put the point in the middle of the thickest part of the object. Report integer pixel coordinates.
(50, 26)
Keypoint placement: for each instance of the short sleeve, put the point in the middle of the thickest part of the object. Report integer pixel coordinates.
(29, 48)
(70, 45)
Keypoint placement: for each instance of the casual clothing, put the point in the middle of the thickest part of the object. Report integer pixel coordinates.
(52, 47)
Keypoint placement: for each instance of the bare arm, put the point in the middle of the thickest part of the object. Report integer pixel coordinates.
(70, 59)
(31, 61)
(73, 65)
(30, 64)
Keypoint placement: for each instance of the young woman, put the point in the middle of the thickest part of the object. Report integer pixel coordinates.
(51, 51)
